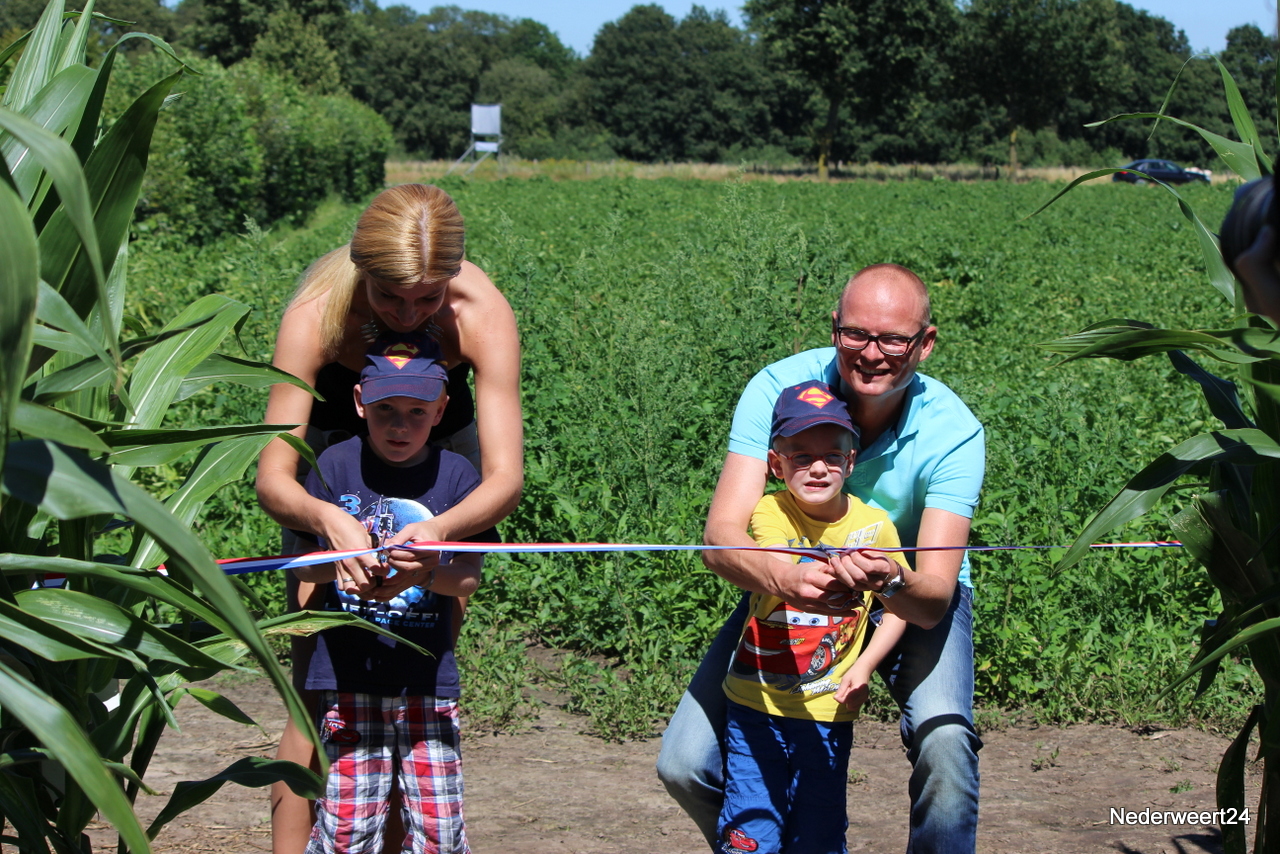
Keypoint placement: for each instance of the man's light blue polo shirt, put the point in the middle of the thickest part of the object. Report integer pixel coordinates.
(934, 457)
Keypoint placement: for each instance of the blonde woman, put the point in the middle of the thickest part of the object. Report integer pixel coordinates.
(403, 271)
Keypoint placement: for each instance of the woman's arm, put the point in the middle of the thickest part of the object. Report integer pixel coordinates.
(279, 493)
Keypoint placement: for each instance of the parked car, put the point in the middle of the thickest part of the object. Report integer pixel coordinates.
(1161, 170)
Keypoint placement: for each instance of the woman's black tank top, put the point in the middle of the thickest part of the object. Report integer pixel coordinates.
(338, 412)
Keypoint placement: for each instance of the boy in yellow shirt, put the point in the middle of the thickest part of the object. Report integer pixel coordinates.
(797, 680)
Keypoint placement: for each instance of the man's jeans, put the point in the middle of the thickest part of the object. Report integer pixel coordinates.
(929, 674)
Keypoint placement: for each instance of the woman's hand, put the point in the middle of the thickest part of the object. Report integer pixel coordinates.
(356, 575)
(411, 567)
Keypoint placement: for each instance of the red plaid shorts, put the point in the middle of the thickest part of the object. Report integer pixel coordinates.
(371, 740)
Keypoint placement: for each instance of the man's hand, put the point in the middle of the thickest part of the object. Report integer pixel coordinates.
(813, 588)
(864, 570)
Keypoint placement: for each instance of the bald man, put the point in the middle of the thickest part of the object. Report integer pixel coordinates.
(921, 460)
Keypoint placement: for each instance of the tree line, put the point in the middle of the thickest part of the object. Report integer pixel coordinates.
(987, 81)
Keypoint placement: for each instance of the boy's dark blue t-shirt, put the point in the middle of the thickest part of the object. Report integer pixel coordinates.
(383, 497)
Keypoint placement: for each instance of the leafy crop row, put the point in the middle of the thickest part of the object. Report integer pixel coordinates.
(644, 307)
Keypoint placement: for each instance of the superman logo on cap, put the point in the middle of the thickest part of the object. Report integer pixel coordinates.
(400, 353)
(815, 396)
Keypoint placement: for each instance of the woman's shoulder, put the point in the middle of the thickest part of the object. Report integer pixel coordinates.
(474, 285)
(482, 316)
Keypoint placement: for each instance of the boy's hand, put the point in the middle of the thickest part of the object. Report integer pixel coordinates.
(411, 567)
(853, 689)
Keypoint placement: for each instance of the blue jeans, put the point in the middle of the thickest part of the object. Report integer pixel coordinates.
(786, 784)
(930, 676)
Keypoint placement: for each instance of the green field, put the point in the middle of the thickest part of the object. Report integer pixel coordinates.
(644, 307)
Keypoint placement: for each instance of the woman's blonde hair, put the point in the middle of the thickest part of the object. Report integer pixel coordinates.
(410, 234)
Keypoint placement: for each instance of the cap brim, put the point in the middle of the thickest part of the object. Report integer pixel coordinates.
(419, 388)
(795, 425)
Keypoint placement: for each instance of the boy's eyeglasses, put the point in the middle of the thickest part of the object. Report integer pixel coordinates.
(852, 338)
(832, 460)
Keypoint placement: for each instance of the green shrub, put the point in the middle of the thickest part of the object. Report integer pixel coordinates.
(249, 142)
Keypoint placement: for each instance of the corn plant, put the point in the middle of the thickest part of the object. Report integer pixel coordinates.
(90, 672)
(1232, 510)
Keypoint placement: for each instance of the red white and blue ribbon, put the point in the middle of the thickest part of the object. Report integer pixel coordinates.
(239, 566)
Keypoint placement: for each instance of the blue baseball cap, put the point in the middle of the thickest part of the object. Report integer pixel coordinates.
(403, 366)
(807, 405)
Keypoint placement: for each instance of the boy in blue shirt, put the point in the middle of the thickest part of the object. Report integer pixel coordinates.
(797, 679)
(386, 712)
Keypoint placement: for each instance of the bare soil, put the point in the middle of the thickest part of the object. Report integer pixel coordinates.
(554, 788)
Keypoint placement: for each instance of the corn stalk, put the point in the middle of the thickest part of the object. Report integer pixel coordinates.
(1231, 526)
(89, 676)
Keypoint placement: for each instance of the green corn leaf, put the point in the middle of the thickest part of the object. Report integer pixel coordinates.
(45, 639)
(1219, 276)
(68, 485)
(145, 581)
(163, 367)
(56, 157)
(36, 420)
(20, 805)
(58, 342)
(92, 373)
(53, 310)
(220, 368)
(1230, 787)
(1240, 117)
(220, 705)
(38, 60)
(1220, 394)
(301, 624)
(57, 107)
(252, 771)
(63, 737)
(217, 466)
(19, 275)
(14, 47)
(1149, 485)
(1240, 157)
(113, 173)
(1134, 342)
(88, 132)
(73, 51)
(159, 447)
(103, 622)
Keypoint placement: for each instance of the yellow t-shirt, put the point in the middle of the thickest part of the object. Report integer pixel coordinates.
(789, 663)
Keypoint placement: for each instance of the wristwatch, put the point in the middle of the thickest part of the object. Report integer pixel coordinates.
(894, 584)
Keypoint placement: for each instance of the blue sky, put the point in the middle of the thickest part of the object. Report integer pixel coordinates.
(576, 21)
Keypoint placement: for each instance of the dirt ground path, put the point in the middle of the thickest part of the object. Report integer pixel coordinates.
(553, 788)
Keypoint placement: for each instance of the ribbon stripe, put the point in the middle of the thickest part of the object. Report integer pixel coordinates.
(240, 566)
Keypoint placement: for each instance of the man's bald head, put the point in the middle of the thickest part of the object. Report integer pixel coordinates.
(888, 282)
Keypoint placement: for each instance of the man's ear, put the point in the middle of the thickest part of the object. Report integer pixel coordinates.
(355, 392)
(775, 464)
(927, 342)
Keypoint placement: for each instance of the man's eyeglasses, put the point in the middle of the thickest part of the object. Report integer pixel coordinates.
(852, 338)
(832, 460)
